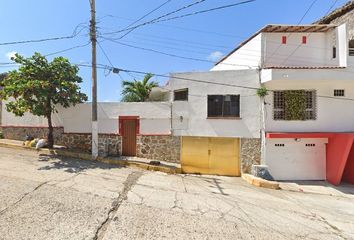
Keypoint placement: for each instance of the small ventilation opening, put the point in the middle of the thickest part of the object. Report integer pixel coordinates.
(338, 92)
(310, 145)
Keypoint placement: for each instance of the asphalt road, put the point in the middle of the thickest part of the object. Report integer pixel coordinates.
(49, 198)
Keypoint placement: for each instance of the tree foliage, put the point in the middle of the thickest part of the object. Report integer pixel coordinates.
(39, 86)
(138, 90)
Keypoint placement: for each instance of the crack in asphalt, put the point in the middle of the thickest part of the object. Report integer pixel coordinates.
(128, 184)
(23, 196)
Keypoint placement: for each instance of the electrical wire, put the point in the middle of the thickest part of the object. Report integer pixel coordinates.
(144, 16)
(299, 22)
(174, 55)
(75, 33)
(163, 19)
(102, 66)
(295, 50)
(158, 18)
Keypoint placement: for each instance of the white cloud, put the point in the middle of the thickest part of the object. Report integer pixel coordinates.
(9, 55)
(215, 56)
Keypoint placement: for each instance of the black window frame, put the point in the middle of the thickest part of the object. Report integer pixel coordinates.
(182, 94)
(225, 106)
(351, 47)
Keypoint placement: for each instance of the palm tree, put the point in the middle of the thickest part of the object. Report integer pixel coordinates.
(138, 90)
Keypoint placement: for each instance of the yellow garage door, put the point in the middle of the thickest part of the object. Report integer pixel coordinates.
(206, 155)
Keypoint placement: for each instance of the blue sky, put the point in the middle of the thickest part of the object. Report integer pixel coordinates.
(204, 36)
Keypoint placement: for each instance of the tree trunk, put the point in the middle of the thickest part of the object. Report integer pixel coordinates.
(50, 131)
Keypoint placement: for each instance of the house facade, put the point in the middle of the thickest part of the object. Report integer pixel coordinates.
(216, 114)
(308, 72)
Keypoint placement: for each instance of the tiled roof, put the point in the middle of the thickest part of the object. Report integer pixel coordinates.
(303, 67)
(349, 6)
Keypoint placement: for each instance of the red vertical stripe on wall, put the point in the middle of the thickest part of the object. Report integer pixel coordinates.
(283, 39)
(304, 39)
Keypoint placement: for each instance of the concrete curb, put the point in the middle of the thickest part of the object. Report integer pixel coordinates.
(260, 182)
(107, 160)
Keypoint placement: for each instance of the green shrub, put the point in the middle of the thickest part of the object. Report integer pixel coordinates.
(295, 104)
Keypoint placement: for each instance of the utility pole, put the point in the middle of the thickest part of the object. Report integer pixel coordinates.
(94, 81)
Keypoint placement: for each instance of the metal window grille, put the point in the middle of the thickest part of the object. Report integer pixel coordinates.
(338, 92)
(279, 105)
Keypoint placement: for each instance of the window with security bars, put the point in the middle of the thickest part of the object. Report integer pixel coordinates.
(279, 109)
(338, 92)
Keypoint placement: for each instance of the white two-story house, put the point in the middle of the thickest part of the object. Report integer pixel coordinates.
(305, 123)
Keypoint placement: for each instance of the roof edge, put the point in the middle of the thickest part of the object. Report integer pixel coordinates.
(336, 13)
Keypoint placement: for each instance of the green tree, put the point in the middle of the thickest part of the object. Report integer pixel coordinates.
(138, 91)
(39, 86)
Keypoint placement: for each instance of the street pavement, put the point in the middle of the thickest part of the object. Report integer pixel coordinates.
(43, 197)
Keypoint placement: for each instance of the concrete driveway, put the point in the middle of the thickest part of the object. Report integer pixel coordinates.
(49, 198)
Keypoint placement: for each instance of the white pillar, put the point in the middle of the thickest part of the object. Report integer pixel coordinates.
(94, 140)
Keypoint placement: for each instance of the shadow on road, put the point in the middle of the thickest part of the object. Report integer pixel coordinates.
(71, 165)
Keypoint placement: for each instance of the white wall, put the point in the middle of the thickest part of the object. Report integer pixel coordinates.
(267, 50)
(194, 120)
(333, 114)
(9, 119)
(154, 117)
(248, 56)
(296, 161)
(316, 52)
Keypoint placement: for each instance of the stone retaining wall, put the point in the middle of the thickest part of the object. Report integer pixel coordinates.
(19, 133)
(164, 148)
(250, 153)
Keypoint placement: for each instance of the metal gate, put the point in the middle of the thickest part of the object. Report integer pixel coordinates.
(207, 155)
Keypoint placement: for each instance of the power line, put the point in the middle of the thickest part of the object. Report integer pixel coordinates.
(75, 33)
(295, 50)
(174, 55)
(299, 22)
(144, 16)
(102, 66)
(5, 64)
(67, 49)
(158, 18)
(162, 19)
(104, 53)
(205, 11)
(182, 28)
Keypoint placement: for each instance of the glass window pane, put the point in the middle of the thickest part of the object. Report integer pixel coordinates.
(215, 103)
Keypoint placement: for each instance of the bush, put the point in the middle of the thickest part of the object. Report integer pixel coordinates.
(1, 135)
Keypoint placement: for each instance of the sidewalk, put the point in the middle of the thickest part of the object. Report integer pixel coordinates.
(171, 168)
(319, 187)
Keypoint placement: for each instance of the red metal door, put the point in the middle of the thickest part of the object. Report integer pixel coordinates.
(129, 138)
